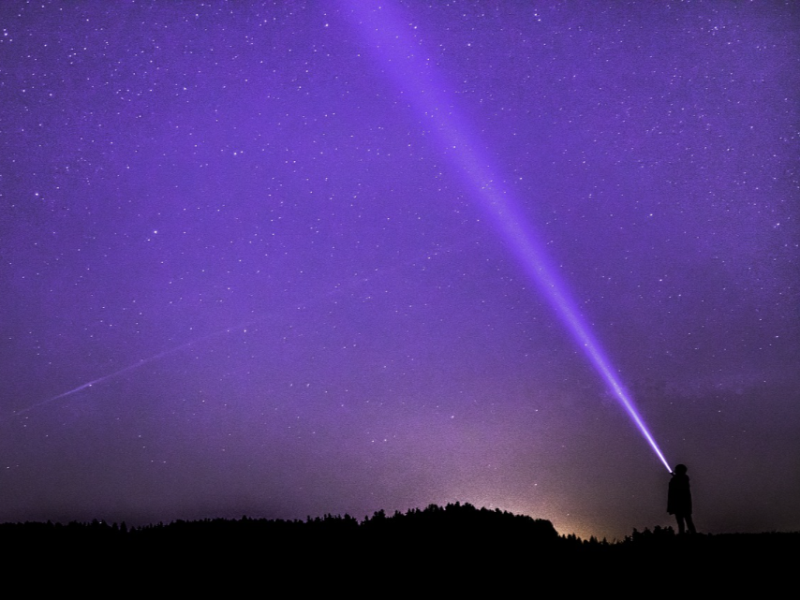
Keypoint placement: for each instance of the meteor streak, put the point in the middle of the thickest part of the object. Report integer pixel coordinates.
(357, 280)
(389, 36)
(116, 374)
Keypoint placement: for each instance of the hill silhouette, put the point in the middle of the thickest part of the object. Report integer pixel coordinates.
(453, 548)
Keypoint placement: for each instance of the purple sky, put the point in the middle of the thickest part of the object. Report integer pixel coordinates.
(265, 232)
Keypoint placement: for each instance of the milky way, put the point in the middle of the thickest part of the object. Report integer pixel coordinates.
(238, 224)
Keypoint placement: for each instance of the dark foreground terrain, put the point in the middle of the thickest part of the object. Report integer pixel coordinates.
(457, 548)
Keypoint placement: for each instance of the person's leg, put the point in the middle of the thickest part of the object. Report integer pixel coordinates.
(681, 527)
(690, 524)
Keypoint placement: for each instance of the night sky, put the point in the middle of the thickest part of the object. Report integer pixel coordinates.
(259, 258)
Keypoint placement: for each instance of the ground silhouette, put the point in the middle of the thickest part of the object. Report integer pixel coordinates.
(453, 548)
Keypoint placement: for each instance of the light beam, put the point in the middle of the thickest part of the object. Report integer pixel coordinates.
(390, 37)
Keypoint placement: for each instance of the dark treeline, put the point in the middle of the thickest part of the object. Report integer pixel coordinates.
(456, 547)
(455, 523)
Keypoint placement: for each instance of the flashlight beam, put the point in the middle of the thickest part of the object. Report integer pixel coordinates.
(390, 37)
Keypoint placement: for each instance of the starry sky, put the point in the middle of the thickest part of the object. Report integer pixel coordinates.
(255, 259)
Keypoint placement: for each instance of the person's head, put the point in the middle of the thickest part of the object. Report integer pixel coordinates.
(680, 469)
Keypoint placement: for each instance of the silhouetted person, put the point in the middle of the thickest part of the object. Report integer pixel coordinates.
(679, 501)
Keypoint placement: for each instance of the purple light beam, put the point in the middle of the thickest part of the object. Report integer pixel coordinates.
(390, 36)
